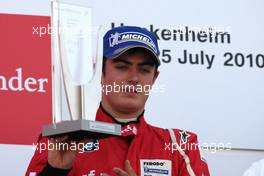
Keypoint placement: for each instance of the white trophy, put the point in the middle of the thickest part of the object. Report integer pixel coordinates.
(76, 75)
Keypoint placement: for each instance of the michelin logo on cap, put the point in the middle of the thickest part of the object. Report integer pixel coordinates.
(118, 38)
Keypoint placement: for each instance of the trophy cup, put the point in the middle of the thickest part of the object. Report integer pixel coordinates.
(76, 75)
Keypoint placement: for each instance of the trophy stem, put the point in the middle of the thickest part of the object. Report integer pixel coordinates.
(73, 93)
(83, 115)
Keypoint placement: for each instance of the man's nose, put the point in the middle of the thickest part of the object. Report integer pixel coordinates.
(134, 77)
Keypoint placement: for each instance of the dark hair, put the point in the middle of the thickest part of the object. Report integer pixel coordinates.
(134, 51)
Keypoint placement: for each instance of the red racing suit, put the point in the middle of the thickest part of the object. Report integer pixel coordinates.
(150, 150)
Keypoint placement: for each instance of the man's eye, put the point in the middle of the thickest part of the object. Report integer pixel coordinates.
(121, 67)
(145, 70)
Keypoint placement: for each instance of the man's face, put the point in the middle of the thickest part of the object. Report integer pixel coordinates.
(130, 78)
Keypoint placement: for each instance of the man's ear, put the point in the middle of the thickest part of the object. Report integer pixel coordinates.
(156, 74)
(102, 78)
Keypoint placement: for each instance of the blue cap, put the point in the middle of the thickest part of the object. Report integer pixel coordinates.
(120, 39)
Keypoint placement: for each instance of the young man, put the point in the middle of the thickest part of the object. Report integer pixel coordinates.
(131, 62)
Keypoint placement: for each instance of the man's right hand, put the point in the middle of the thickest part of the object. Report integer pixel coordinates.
(62, 156)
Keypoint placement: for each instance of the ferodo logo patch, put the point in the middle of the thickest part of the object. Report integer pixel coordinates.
(155, 167)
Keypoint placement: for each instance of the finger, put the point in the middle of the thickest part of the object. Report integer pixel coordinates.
(120, 172)
(129, 168)
(104, 174)
(84, 141)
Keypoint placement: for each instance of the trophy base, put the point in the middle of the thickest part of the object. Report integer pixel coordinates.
(82, 129)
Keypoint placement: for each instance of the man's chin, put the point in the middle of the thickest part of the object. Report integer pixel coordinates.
(131, 104)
